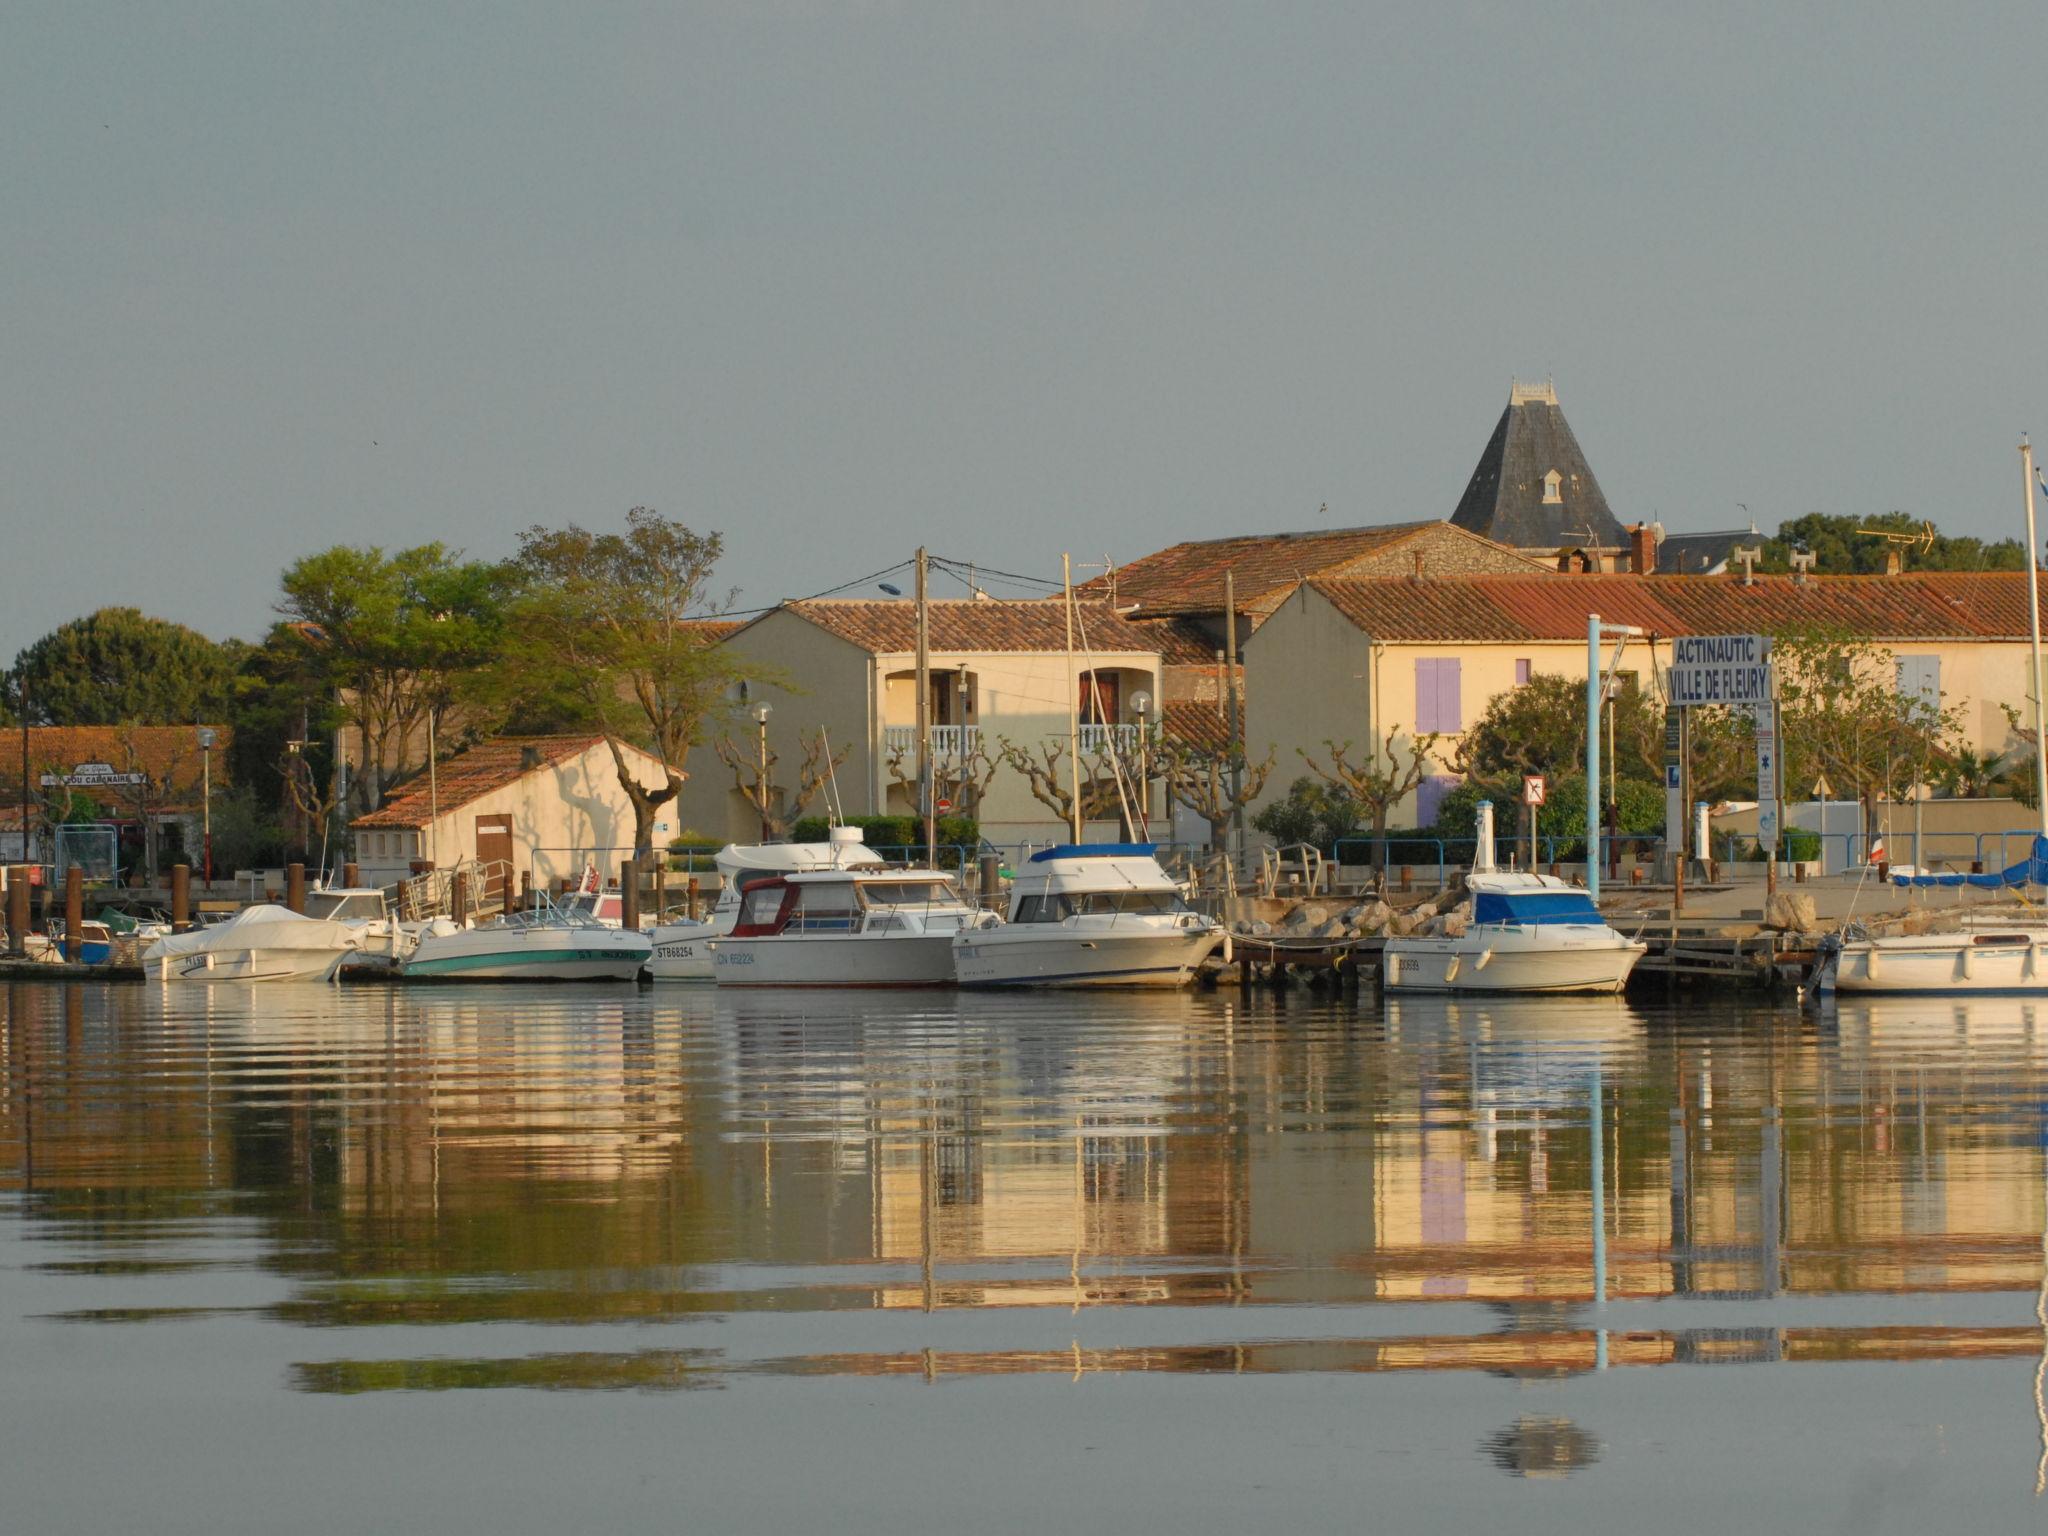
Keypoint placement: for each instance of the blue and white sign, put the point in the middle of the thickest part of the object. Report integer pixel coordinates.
(1721, 669)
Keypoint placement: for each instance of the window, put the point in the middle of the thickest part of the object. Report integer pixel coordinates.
(1552, 483)
(1521, 670)
(824, 909)
(1099, 703)
(761, 904)
(1437, 706)
(1037, 909)
(1920, 680)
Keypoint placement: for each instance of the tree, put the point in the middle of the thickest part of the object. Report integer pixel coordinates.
(1379, 781)
(606, 631)
(1051, 785)
(1200, 778)
(962, 778)
(119, 666)
(1839, 546)
(1313, 812)
(1843, 716)
(1540, 727)
(1966, 774)
(393, 639)
(774, 804)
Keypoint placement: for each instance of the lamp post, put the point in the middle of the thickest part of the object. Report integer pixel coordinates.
(1141, 706)
(761, 712)
(206, 740)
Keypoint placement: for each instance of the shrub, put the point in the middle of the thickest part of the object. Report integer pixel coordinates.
(1564, 813)
(1313, 812)
(893, 831)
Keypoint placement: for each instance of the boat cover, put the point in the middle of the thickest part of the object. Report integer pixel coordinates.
(1096, 851)
(2032, 870)
(1534, 907)
(259, 927)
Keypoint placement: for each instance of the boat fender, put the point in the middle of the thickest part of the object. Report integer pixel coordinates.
(1451, 970)
(1227, 956)
(1485, 958)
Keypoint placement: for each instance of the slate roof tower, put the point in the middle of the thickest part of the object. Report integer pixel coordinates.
(1533, 487)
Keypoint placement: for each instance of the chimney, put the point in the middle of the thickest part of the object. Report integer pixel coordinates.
(529, 759)
(1642, 549)
(1417, 577)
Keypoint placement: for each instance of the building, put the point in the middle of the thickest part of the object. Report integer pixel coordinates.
(1359, 659)
(144, 783)
(544, 805)
(843, 672)
(1532, 487)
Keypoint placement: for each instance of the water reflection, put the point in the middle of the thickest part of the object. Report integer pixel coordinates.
(1278, 1187)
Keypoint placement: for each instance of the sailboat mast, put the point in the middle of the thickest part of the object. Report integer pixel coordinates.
(2034, 632)
(924, 710)
(1073, 701)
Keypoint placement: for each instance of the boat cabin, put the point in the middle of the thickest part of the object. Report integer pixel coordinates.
(1094, 879)
(842, 902)
(346, 906)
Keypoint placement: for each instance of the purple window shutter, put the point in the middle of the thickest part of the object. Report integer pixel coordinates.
(1521, 670)
(1429, 797)
(1449, 707)
(1425, 695)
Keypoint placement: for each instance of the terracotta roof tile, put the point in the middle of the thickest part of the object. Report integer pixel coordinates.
(963, 624)
(1196, 724)
(472, 774)
(1979, 605)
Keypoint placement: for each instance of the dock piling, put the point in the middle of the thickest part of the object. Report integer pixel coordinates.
(181, 898)
(74, 912)
(295, 888)
(629, 895)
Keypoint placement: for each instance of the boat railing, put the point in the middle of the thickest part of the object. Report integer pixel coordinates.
(481, 887)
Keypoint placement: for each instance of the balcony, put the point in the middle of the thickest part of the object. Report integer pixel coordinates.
(1098, 740)
(947, 740)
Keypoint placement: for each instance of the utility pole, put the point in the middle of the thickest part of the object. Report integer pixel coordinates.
(1073, 703)
(924, 710)
(2034, 628)
(1236, 717)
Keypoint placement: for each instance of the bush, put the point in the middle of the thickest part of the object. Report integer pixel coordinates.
(1313, 812)
(1564, 813)
(1796, 845)
(893, 831)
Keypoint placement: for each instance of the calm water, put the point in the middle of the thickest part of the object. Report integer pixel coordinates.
(571, 1260)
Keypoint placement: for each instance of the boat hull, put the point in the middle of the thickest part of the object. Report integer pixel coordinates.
(1017, 956)
(1945, 962)
(1509, 962)
(835, 960)
(529, 954)
(682, 952)
(252, 965)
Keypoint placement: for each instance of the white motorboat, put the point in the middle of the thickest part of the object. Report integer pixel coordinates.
(1090, 915)
(1528, 933)
(1986, 953)
(260, 943)
(542, 943)
(864, 927)
(682, 949)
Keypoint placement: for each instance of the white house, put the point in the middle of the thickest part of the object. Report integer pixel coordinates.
(544, 805)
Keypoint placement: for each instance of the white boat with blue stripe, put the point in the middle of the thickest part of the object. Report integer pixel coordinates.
(544, 943)
(1529, 933)
(1090, 915)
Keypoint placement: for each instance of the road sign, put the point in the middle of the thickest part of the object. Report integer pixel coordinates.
(1720, 669)
(945, 804)
(93, 776)
(1533, 789)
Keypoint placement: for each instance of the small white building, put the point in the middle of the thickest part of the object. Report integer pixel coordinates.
(544, 805)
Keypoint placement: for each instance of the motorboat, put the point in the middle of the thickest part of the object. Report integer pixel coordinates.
(1528, 933)
(1985, 952)
(1090, 915)
(681, 948)
(259, 943)
(859, 927)
(541, 943)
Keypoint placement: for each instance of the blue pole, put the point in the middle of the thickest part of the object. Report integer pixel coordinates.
(1593, 755)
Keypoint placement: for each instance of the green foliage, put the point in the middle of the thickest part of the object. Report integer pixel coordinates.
(1640, 803)
(246, 833)
(893, 831)
(1796, 845)
(119, 666)
(1840, 549)
(1314, 811)
(1540, 727)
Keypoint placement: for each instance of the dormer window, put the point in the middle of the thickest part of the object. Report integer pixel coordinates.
(1551, 483)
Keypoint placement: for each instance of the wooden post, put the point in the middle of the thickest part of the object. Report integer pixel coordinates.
(660, 885)
(991, 880)
(629, 895)
(17, 908)
(525, 889)
(351, 875)
(295, 888)
(74, 912)
(458, 897)
(690, 898)
(181, 898)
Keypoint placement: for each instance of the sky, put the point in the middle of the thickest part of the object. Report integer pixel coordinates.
(837, 279)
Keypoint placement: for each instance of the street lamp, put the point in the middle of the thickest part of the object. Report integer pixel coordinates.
(1141, 706)
(207, 735)
(761, 712)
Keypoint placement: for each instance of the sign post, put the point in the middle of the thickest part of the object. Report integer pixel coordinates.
(1533, 790)
(1733, 671)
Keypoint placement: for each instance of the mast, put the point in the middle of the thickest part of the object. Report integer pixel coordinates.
(2034, 632)
(924, 712)
(1073, 702)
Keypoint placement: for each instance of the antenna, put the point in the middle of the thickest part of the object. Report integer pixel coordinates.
(836, 809)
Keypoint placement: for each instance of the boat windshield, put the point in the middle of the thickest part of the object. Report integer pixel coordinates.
(923, 895)
(1055, 908)
(1535, 907)
(345, 906)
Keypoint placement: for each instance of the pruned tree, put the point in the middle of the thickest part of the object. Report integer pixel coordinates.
(776, 805)
(1377, 782)
(605, 632)
(961, 777)
(1052, 786)
(311, 792)
(1216, 783)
